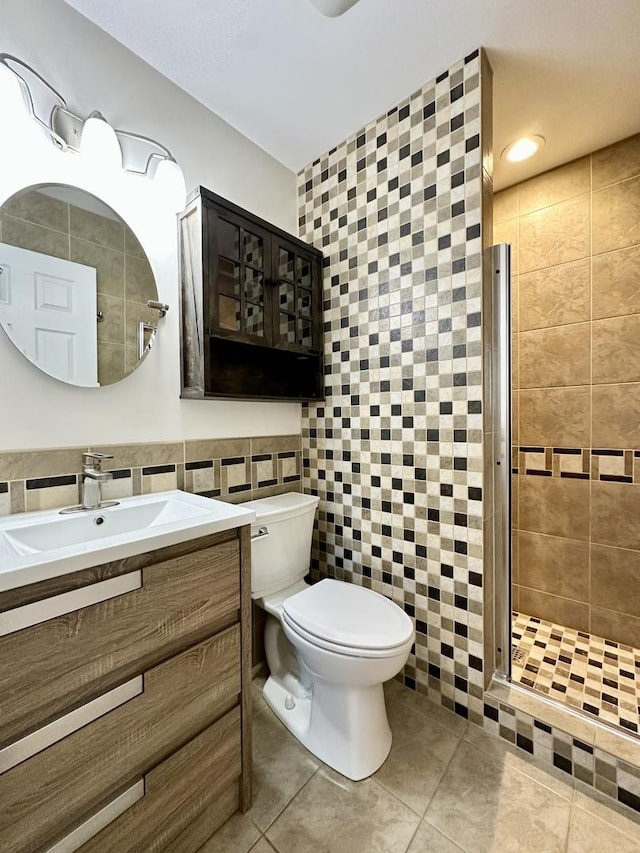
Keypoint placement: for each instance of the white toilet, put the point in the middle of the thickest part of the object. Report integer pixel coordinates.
(329, 646)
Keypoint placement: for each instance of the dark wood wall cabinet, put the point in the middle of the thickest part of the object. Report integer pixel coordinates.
(125, 725)
(251, 306)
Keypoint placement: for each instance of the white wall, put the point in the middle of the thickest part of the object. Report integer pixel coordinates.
(93, 71)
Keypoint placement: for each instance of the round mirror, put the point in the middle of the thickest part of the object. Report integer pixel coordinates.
(74, 285)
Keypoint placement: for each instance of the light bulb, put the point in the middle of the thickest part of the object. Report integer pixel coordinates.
(100, 143)
(169, 179)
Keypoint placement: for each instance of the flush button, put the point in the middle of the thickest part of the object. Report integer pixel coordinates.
(289, 703)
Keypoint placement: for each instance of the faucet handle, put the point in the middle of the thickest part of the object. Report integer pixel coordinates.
(95, 459)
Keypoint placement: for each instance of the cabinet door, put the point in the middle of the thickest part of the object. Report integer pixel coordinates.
(297, 284)
(238, 277)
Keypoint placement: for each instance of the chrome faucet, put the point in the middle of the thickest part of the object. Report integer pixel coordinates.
(92, 479)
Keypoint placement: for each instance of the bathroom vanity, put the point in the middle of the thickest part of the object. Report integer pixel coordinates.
(124, 703)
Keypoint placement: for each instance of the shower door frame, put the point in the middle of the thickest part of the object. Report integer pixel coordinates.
(501, 452)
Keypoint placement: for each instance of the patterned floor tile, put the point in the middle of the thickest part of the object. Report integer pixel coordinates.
(589, 673)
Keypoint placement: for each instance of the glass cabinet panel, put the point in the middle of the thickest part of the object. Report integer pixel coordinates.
(306, 332)
(229, 311)
(295, 282)
(253, 256)
(229, 277)
(287, 296)
(287, 329)
(228, 240)
(264, 285)
(304, 272)
(241, 280)
(287, 264)
(304, 300)
(254, 319)
(253, 285)
(253, 253)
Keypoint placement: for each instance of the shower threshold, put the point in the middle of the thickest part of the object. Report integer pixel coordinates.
(588, 673)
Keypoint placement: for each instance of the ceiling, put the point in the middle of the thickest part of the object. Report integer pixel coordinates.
(297, 83)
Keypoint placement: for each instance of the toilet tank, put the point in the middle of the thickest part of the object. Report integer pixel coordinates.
(281, 555)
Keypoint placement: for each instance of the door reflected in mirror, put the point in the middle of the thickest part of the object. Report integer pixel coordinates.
(74, 285)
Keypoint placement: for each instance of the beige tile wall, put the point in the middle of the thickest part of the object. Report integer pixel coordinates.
(236, 469)
(125, 282)
(575, 235)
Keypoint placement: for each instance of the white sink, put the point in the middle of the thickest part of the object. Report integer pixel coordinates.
(35, 546)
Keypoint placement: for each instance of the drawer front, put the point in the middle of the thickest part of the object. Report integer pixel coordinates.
(47, 796)
(186, 799)
(72, 658)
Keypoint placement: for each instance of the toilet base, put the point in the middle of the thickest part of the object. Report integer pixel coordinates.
(345, 727)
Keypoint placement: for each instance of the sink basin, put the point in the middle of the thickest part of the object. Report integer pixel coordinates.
(58, 532)
(35, 546)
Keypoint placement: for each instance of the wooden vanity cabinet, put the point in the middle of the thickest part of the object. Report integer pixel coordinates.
(125, 724)
(251, 306)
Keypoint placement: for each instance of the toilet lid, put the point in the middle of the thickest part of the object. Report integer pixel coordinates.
(349, 615)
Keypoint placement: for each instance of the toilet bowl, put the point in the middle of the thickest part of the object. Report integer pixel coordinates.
(329, 646)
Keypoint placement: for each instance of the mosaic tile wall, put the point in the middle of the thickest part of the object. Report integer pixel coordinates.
(576, 376)
(233, 469)
(395, 451)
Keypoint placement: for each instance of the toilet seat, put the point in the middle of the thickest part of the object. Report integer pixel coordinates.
(346, 651)
(348, 620)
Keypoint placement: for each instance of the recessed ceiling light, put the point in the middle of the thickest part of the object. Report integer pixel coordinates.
(522, 149)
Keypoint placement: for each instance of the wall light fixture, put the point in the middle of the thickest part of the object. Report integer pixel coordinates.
(93, 136)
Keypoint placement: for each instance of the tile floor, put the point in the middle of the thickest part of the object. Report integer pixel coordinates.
(446, 787)
(586, 672)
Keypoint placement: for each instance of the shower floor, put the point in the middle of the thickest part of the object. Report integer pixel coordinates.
(585, 672)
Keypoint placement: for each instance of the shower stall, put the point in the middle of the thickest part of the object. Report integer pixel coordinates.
(567, 399)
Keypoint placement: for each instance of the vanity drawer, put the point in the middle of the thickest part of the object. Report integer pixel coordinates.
(72, 658)
(186, 798)
(79, 775)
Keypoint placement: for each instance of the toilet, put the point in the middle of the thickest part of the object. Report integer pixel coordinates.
(329, 647)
